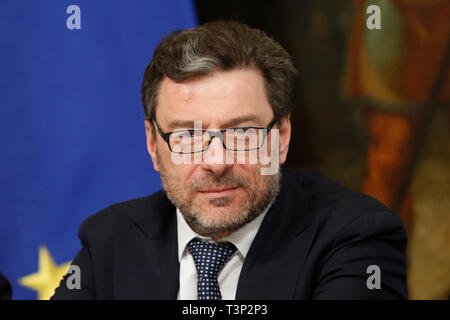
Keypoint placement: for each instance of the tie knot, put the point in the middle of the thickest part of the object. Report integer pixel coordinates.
(210, 257)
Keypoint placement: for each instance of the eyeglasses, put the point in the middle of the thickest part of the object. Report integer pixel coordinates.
(188, 141)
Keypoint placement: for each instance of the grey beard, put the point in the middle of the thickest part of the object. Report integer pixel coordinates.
(255, 208)
(252, 207)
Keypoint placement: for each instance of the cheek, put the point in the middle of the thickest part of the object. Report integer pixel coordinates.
(252, 173)
(179, 173)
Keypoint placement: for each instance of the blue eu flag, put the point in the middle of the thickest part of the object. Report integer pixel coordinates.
(72, 137)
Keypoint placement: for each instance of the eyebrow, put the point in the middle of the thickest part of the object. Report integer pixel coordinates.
(174, 124)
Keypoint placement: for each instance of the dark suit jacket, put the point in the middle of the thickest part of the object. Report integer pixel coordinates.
(5, 288)
(315, 242)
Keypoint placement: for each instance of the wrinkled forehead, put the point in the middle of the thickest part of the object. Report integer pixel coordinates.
(215, 99)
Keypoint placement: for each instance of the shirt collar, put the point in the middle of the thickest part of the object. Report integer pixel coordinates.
(241, 238)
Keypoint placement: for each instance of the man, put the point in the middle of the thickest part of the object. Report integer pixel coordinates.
(228, 226)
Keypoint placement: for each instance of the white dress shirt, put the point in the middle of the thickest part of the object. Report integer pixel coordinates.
(228, 277)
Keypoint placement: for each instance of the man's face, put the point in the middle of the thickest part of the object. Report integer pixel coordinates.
(216, 197)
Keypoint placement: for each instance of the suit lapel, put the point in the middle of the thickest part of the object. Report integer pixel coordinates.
(274, 261)
(155, 258)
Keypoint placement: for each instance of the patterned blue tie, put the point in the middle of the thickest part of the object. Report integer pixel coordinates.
(209, 259)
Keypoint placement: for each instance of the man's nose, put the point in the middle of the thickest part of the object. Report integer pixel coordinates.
(214, 158)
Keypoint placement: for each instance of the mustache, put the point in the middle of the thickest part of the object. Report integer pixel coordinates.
(213, 181)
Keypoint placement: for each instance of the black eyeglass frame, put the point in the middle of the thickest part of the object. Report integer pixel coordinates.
(213, 133)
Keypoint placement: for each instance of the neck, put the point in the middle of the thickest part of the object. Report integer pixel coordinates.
(218, 236)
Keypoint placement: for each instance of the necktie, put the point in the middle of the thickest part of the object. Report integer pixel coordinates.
(209, 259)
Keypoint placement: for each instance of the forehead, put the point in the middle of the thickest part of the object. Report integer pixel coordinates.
(215, 99)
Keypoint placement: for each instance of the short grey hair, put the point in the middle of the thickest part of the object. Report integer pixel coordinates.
(220, 46)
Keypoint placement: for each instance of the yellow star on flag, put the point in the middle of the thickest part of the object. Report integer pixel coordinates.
(48, 277)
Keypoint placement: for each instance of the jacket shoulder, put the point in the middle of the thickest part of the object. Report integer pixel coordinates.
(102, 223)
(331, 203)
(349, 231)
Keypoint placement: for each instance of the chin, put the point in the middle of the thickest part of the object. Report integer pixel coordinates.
(214, 215)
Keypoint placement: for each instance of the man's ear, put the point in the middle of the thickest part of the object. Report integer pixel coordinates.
(285, 137)
(151, 143)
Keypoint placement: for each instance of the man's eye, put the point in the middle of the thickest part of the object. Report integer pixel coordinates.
(187, 134)
(244, 132)
(238, 131)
